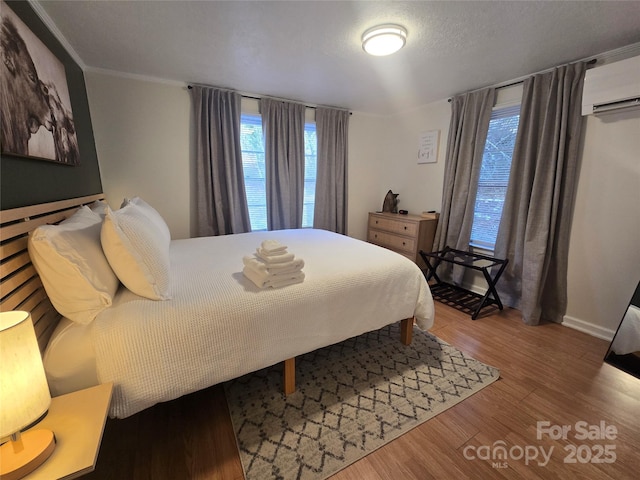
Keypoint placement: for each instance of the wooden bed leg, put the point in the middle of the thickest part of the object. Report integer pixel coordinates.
(289, 376)
(406, 330)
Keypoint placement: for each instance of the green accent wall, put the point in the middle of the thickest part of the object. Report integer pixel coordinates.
(25, 181)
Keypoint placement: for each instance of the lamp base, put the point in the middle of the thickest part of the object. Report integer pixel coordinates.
(23, 456)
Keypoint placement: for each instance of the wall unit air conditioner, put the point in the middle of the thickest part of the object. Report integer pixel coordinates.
(613, 86)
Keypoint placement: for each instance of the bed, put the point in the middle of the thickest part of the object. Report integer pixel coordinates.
(215, 324)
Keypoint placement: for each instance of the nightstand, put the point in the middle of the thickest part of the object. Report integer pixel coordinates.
(77, 420)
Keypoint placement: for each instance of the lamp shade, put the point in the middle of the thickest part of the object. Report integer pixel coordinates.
(24, 392)
(384, 39)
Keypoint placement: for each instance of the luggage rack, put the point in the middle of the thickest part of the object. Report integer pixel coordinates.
(466, 300)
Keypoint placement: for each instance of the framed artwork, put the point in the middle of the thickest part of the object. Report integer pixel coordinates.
(37, 119)
(428, 147)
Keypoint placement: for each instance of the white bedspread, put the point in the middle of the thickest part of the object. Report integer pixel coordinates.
(218, 325)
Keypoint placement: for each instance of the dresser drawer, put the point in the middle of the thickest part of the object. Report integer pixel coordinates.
(404, 234)
(391, 241)
(402, 227)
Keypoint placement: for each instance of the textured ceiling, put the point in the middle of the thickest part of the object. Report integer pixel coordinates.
(310, 50)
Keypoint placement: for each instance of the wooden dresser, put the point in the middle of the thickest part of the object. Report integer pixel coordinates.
(405, 234)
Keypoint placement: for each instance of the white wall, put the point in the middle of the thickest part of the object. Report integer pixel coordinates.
(604, 253)
(368, 170)
(419, 185)
(383, 156)
(143, 129)
(142, 133)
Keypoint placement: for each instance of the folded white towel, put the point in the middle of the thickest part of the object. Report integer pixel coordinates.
(269, 259)
(275, 274)
(254, 263)
(273, 281)
(293, 266)
(299, 278)
(273, 247)
(285, 267)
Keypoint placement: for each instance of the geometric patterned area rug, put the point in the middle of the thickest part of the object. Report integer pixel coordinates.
(351, 398)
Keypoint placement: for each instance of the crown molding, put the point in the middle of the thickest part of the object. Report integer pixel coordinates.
(46, 19)
(136, 76)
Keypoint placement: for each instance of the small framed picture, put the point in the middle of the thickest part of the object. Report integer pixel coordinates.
(428, 146)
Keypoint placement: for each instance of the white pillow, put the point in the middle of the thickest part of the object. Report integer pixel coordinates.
(151, 213)
(99, 207)
(138, 251)
(72, 266)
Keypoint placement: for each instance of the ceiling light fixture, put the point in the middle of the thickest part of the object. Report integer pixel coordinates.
(384, 39)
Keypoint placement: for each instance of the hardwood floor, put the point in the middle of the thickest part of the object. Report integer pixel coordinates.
(549, 373)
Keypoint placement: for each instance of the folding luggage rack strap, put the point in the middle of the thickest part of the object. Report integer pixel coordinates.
(468, 301)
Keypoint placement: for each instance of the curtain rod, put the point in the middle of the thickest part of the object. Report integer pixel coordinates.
(517, 82)
(254, 97)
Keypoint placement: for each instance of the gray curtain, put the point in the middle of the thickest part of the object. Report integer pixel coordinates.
(470, 116)
(332, 131)
(536, 218)
(221, 206)
(283, 130)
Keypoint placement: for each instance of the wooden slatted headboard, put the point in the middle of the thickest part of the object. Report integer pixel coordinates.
(20, 286)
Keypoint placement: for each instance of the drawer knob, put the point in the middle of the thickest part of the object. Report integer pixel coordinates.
(376, 222)
(405, 227)
(404, 243)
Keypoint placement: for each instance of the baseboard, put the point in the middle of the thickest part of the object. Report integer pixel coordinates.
(472, 287)
(571, 322)
(588, 328)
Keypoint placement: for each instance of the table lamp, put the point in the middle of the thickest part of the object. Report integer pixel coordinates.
(24, 398)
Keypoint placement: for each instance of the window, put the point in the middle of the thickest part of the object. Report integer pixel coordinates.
(310, 171)
(252, 144)
(494, 176)
(253, 164)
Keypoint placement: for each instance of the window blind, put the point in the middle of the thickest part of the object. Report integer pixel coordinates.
(494, 176)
